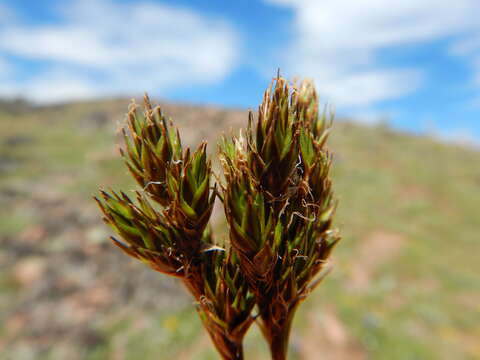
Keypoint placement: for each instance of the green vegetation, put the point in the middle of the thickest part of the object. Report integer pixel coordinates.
(411, 200)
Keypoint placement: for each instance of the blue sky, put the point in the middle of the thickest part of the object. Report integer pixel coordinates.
(415, 64)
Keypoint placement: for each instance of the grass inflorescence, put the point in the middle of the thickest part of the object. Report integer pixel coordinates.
(278, 202)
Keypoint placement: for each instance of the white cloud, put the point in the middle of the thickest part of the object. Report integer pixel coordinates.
(367, 87)
(462, 137)
(338, 43)
(130, 47)
(372, 117)
(5, 68)
(466, 46)
(475, 102)
(5, 14)
(474, 57)
(52, 86)
(469, 49)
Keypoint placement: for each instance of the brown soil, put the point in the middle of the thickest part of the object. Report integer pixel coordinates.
(376, 249)
(328, 339)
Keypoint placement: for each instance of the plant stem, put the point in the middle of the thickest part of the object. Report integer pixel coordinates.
(279, 347)
(277, 332)
(228, 349)
(236, 352)
(278, 343)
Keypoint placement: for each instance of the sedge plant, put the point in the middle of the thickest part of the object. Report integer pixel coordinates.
(278, 202)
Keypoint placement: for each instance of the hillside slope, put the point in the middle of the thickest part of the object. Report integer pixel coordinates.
(405, 283)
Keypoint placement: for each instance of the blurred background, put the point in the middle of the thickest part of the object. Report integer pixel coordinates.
(404, 78)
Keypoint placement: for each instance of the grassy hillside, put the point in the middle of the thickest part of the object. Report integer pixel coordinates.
(404, 286)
